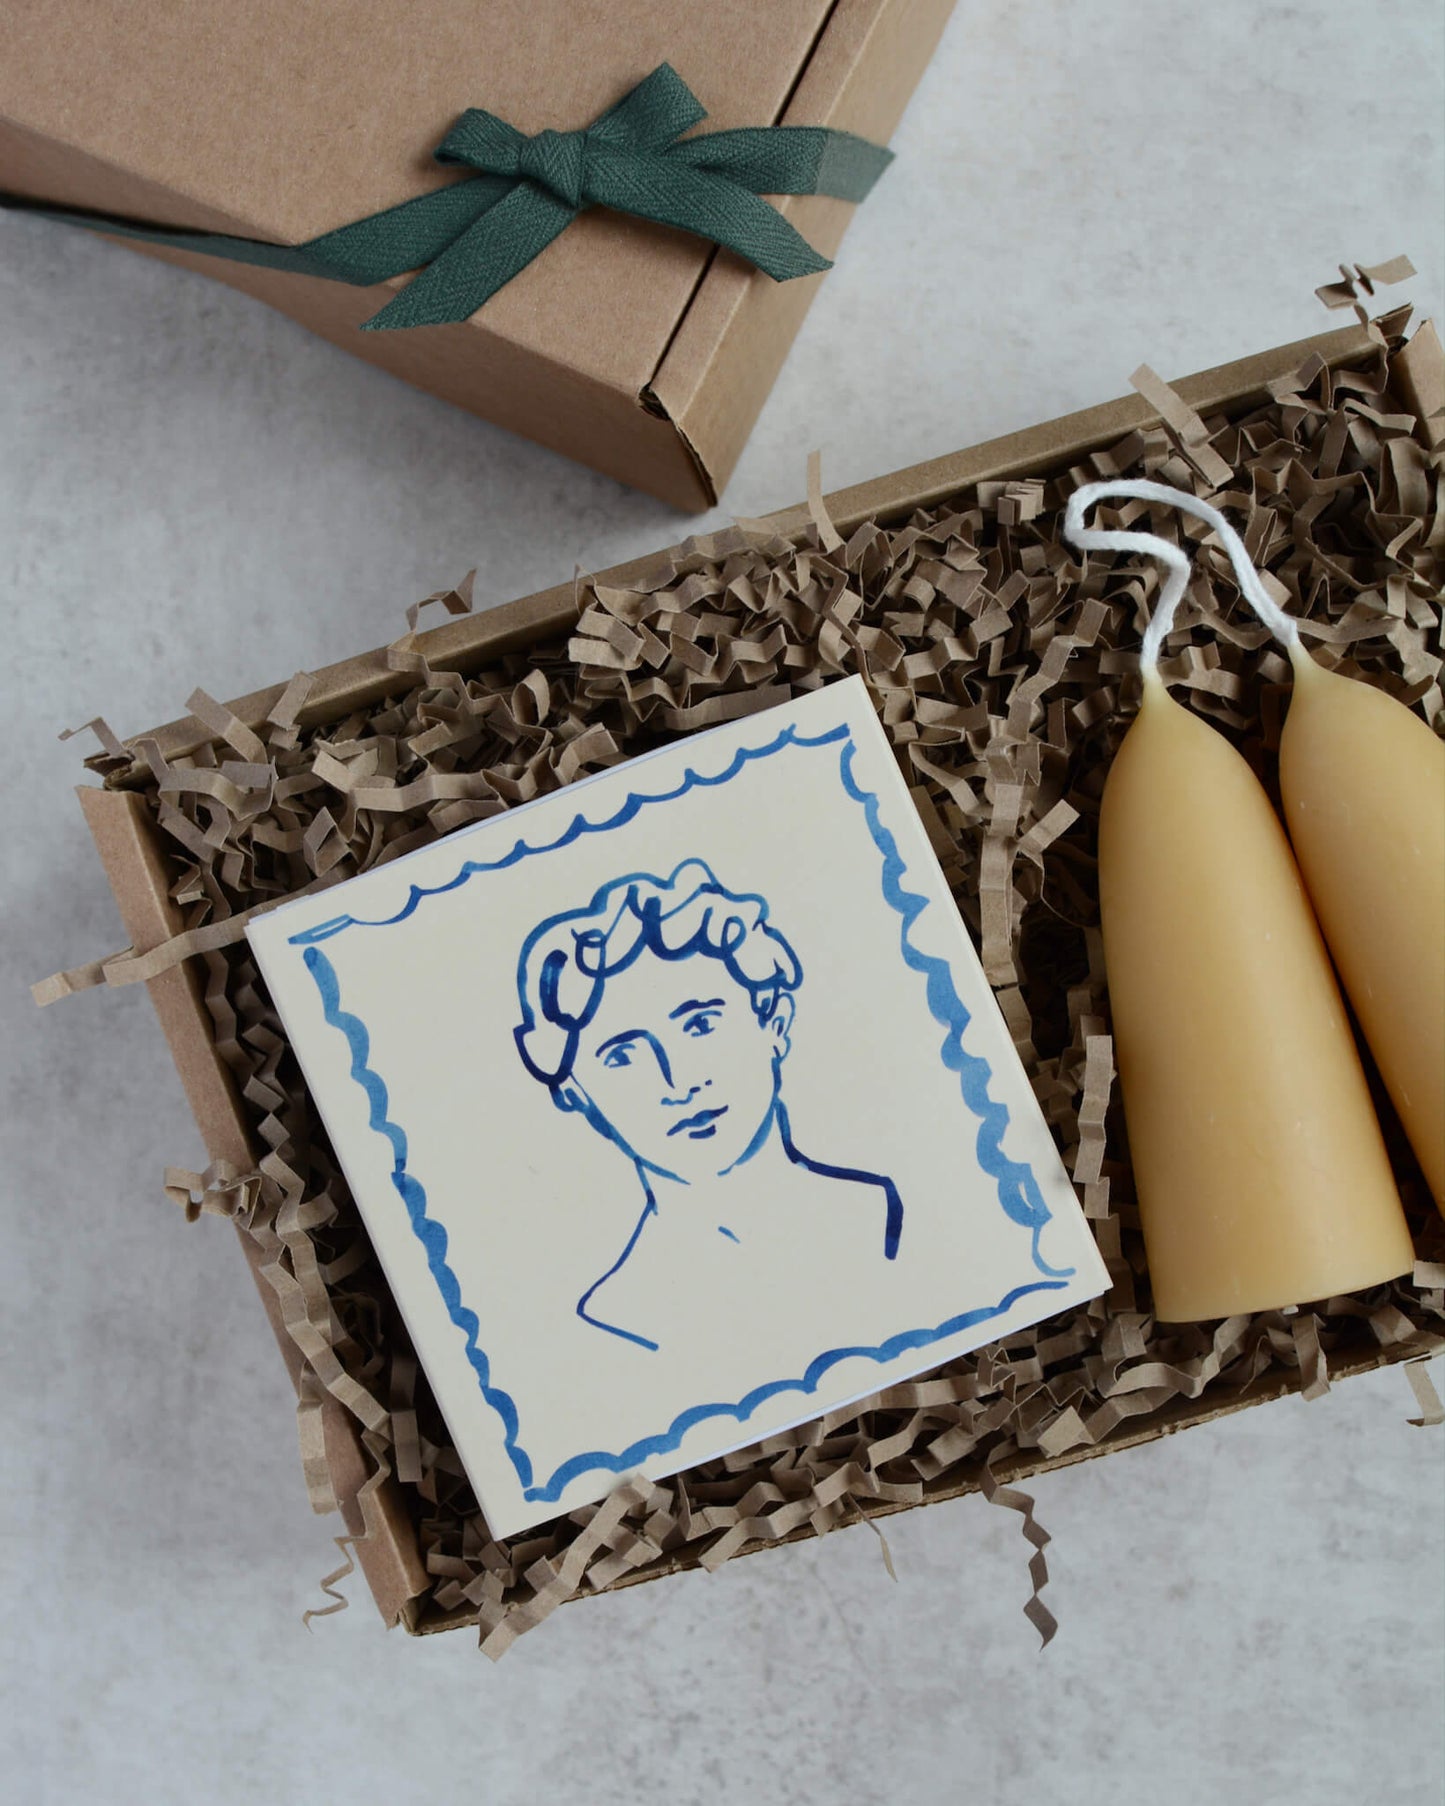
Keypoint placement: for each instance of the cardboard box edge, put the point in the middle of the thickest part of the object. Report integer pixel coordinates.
(376, 1520)
(457, 644)
(1026, 1465)
(1056, 444)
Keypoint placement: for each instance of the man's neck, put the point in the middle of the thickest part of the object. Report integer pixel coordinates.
(724, 1192)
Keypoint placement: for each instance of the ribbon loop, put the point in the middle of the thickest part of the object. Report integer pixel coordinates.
(650, 116)
(481, 141)
(469, 239)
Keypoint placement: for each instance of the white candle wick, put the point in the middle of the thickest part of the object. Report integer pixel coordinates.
(1161, 624)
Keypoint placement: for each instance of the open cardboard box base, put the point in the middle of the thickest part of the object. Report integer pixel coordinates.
(989, 510)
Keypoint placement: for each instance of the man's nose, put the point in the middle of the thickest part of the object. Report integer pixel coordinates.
(682, 1085)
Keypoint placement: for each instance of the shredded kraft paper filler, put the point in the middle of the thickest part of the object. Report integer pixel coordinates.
(1005, 674)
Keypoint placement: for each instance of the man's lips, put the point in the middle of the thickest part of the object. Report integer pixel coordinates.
(698, 1126)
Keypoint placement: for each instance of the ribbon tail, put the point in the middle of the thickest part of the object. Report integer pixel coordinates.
(409, 235)
(484, 259)
(789, 159)
(662, 189)
(296, 260)
(365, 252)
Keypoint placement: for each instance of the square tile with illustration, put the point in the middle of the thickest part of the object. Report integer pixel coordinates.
(677, 1106)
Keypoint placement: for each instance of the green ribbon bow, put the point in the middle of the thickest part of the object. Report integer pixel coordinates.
(469, 239)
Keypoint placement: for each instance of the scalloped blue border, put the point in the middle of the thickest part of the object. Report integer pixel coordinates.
(1018, 1191)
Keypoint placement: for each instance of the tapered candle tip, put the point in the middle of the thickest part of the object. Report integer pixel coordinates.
(1307, 668)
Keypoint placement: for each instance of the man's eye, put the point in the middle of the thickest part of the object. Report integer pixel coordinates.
(698, 1026)
(617, 1056)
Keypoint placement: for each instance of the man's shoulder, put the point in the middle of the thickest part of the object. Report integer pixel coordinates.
(837, 1187)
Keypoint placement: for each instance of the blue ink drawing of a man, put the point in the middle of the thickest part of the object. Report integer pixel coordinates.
(662, 1012)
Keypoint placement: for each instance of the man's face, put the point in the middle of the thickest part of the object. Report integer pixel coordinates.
(679, 1067)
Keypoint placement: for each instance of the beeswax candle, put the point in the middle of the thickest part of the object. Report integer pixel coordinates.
(1260, 1170)
(1363, 783)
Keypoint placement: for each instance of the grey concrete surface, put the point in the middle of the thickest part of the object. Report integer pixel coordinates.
(192, 491)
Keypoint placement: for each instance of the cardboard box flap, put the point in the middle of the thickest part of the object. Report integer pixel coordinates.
(278, 122)
(721, 366)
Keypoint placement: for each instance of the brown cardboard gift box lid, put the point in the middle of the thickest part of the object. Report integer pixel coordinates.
(129, 843)
(639, 350)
